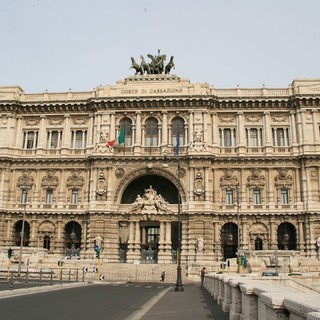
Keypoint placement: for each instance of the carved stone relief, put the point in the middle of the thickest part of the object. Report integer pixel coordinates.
(150, 202)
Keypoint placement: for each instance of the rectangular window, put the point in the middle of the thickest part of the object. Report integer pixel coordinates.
(49, 196)
(229, 197)
(54, 139)
(280, 137)
(74, 196)
(256, 197)
(30, 139)
(227, 137)
(284, 196)
(24, 196)
(254, 137)
(79, 139)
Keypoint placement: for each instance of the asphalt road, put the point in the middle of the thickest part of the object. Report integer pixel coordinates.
(93, 302)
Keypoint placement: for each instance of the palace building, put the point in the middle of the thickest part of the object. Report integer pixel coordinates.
(238, 168)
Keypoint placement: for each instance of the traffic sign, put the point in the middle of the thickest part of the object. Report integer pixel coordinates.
(85, 269)
(95, 269)
(101, 277)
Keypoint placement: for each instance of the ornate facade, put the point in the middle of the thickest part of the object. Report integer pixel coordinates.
(244, 164)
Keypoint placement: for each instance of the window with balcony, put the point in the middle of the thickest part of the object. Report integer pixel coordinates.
(78, 139)
(54, 139)
(254, 137)
(127, 125)
(177, 132)
(227, 137)
(280, 137)
(30, 139)
(151, 134)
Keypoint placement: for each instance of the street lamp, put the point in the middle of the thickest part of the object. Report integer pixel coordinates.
(238, 222)
(25, 190)
(179, 285)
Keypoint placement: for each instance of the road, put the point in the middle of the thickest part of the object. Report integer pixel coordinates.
(92, 302)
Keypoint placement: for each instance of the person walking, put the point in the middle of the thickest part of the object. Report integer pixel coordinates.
(202, 273)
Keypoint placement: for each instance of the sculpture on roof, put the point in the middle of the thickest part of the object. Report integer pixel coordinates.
(156, 66)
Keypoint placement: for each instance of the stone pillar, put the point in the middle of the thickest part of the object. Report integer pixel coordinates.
(130, 252)
(184, 240)
(236, 298)
(161, 252)
(249, 303)
(227, 299)
(221, 290)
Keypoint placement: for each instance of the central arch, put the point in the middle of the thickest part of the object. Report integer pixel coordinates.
(162, 185)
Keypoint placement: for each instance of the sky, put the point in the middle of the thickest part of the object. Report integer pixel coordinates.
(58, 45)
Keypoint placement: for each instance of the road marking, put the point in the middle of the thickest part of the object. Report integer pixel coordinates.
(137, 315)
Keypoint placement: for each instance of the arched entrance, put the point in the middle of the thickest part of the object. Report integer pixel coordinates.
(229, 240)
(150, 233)
(18, 233)
(72, 239)
(287, 238)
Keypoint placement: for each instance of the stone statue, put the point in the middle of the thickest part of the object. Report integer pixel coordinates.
(200, 244)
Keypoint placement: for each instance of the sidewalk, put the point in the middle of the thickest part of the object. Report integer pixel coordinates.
(193, 303)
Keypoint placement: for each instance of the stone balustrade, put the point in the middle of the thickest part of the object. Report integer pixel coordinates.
(249, 298)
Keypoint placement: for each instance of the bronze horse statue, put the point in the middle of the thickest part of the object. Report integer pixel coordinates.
(135, 66)
(169, 66)
(145, 66)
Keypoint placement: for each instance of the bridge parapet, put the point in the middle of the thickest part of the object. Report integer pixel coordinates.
(251, 298)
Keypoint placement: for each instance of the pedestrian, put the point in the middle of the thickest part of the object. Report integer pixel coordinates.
(202, 273)
(163, 275)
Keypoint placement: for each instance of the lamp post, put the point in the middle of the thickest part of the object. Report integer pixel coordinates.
(25, 190)
(238, 222)
(179, 285)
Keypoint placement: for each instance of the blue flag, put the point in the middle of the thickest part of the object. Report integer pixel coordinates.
(177, 144)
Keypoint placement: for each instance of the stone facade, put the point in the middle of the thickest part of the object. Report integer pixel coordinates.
(248, 161)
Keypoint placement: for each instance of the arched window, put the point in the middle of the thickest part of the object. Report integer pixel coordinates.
(177, 131)
(151, 135)
(126, 123)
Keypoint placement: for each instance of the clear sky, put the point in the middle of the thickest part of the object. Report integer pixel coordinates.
(79, 44)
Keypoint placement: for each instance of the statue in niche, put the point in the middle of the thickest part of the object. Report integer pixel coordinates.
(200, 244)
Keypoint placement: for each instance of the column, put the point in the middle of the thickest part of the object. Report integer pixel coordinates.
(190, 138)
(164, 139)
(267, 132)
(161, 252)
(67, 135)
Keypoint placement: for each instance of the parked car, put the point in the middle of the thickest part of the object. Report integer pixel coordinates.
(269, 274)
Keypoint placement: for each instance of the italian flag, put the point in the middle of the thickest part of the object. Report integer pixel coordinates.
(119, 140)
